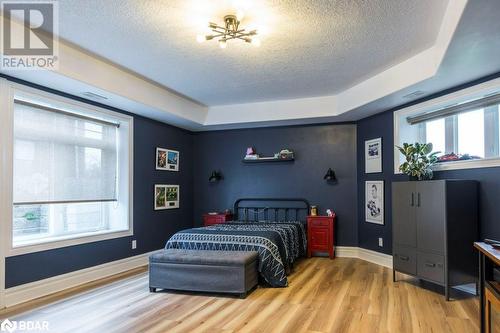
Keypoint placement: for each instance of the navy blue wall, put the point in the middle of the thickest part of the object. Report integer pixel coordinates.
(151, 228)
(317, 148)
(381, 125)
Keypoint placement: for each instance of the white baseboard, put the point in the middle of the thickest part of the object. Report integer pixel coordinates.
(33, 290)
(364, 254)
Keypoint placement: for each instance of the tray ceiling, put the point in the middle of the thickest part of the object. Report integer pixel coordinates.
(309, 48)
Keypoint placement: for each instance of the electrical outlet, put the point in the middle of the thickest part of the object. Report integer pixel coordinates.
(380, 242)
(134, 244)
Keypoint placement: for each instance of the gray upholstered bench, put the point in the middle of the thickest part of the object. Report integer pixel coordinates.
(207, 271)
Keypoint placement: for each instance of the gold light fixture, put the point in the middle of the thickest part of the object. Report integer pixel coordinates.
(231, 30)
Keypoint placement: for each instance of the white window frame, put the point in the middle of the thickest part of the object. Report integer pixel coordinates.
(477, 91)
(8, 91)
(5, 177)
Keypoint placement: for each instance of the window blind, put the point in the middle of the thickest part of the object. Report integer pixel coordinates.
(60, 157)
(456, 109)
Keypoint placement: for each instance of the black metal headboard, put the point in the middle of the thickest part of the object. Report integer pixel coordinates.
(271, 209)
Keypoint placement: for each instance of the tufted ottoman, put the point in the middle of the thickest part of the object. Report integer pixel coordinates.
(206, 271)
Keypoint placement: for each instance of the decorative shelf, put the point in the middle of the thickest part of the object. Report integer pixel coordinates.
(269, 159)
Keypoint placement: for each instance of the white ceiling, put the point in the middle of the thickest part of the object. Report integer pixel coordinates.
(340, 76)
(473, 54)
(311, 48)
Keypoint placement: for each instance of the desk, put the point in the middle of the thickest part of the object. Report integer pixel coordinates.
(489, 290)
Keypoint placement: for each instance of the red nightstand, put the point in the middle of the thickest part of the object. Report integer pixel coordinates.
(320, 234)
(211, 219)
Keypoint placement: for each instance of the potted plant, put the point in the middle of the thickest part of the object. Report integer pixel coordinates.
(419, 160)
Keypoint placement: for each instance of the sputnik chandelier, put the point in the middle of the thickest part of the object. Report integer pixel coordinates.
(231, 30)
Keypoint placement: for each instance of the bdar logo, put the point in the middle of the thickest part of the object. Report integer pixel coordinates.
(8, 326)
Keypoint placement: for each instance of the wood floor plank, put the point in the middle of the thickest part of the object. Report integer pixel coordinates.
(341, 295)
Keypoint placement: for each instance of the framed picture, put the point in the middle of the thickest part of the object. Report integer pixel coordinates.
(167, 159)
(166, 197)
(373, 156)
(374, 201)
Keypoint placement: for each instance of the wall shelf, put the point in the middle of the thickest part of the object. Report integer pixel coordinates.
(269, 159)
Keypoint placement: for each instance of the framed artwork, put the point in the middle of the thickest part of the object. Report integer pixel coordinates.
(167, 159)
(166, 197)
(374, 201)
(373, 156)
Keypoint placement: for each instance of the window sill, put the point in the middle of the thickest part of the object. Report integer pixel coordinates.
(463, 165)
(70, 240)
(468, 164)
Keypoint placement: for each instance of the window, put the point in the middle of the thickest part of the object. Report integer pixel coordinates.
(470, 133)
(435, 133)
(71, 173)
(463, 127)
(457, 136)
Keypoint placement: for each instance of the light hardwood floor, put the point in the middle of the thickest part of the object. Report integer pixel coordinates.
(341, 295)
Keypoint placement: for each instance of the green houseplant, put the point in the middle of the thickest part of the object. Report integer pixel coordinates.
(419, 160)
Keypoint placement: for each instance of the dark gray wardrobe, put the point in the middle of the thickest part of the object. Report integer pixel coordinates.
(434, 226)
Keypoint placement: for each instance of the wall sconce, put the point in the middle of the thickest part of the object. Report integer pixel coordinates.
(215, 177)
(330, 176)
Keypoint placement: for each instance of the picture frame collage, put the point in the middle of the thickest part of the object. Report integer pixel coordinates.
(374, 189)
(166, 196)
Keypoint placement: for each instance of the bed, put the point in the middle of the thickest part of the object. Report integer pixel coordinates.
(275, 228)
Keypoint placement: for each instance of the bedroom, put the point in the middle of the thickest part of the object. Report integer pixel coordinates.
(226, 166)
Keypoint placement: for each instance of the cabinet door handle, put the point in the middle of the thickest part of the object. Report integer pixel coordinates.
(430, 264)
(418, 199)
(412, 199)
(404, 258)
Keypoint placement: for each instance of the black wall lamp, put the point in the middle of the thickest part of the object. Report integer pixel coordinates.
(215, 176)
(330, 176)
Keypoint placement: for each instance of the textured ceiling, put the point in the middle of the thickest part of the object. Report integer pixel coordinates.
(472, 55)
(309, 48)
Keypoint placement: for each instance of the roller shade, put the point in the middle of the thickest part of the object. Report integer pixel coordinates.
(60, 157)
(456, 109)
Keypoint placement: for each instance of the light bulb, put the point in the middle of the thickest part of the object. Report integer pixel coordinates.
(200, 38)
(255, 42)
(222, 43)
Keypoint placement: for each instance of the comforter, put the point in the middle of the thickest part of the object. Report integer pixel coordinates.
(278, 244)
